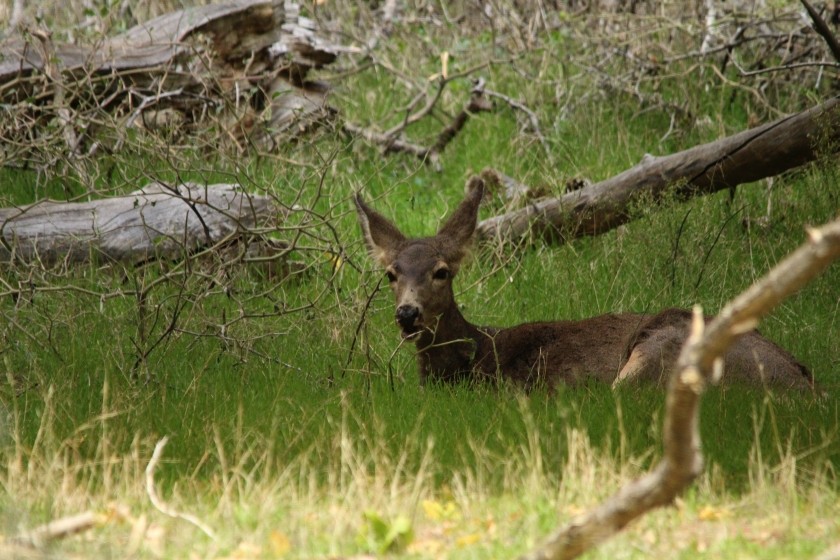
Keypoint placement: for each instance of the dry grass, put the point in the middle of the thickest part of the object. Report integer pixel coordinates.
(255, 508)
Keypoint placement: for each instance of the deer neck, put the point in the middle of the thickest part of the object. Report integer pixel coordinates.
(448, 352)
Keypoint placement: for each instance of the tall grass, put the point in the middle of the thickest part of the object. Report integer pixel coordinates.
(302, 490)
(287, 443)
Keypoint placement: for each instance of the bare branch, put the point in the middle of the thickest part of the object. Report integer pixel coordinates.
(532, 119)
(160, 504)
(391, 143)
(60, 528)
(823, 29)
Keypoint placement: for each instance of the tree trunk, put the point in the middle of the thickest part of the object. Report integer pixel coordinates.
(748, 156)
(154, 222)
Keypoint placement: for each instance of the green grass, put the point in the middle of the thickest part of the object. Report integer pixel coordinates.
(281, 438)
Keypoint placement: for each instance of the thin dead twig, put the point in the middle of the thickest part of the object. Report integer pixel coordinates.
(54, 74)
(822, 28)
(391, 143)
(784, 68)
(756, 94)
(532, 118)
(442, 81)
(59, 528)
(159, 504)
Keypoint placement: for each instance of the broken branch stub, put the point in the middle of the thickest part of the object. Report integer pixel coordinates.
(683, 460)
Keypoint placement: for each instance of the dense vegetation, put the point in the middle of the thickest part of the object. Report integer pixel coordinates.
(301, 430)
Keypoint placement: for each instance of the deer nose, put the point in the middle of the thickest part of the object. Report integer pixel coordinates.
(407, 315)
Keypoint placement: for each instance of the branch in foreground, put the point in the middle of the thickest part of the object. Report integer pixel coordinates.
(698, 362)
(748, 156)
(60, 528)
(160, 504)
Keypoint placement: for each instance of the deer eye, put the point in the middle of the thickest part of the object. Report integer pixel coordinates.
(391, 276)
(441, 274)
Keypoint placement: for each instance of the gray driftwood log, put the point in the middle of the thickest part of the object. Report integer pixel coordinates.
(748, 156)
(699, 361)
(154, 222)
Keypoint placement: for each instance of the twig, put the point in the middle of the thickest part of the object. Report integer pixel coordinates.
(823, 29)
(784, 68)
(477, 104)
(532, 118)
(59, 528)
(429, 154)
(389, 144)
(359, 326)
(754, 92)
(159, 504)
(419, 115)
(54, 72)
(145, 102)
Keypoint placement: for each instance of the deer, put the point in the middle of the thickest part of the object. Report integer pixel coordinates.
(616, 348)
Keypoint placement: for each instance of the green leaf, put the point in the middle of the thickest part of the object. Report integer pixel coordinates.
(381, 536)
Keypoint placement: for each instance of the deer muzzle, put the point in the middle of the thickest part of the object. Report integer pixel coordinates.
(407, 318)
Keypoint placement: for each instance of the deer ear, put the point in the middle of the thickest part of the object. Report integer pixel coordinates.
(458, 230)
(382, 237)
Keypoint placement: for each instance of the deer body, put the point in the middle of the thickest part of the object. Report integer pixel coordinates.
(613, 348)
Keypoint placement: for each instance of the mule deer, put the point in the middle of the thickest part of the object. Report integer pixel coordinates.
(613, 348)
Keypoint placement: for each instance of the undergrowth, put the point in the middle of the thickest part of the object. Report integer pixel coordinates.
(301, 430)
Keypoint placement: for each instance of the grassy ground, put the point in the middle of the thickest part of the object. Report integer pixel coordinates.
(287, 444)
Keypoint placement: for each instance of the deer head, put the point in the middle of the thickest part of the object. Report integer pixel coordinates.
(420, 271)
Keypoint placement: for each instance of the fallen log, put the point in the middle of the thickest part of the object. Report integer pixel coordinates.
(748, 156)
(242, 64)
(155, 222)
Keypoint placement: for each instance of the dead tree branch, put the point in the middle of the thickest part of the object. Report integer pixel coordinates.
(162, 506)
(532, 119)
(60, 528)
(698, 365)
(392, 141)
(822, 28)
(748, 156)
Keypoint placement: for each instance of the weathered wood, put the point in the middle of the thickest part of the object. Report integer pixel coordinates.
(59, 529)
(699, 360)
(744, 157)
(241, 56)
(266, 29)
(156, 221)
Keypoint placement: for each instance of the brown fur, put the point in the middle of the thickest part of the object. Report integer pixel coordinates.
(614, 348)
